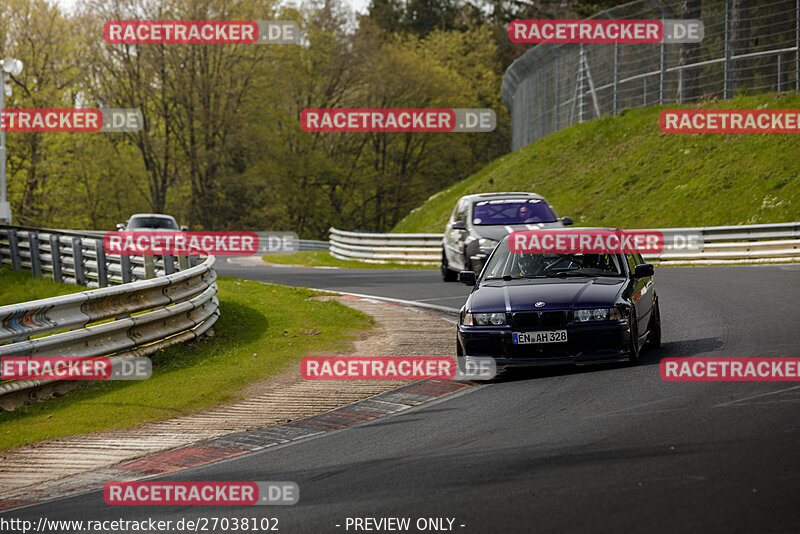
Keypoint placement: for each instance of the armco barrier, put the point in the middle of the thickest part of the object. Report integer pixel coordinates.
(759, 243)
(386, 248)
(171, 301)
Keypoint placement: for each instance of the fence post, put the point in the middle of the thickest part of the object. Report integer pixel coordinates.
(77, 258)
(616, 77)
(16, 263)
(125, 267)
(55, 257)
(169, 264)
(36, 263)
(102, 269)
(580, 85)
(557, 100)
(183, 262)
(728, 45)
(681, 88)
(662, 87)
(780, 73)
(149, 267)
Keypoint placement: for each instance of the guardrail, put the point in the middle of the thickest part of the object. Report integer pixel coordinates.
(759, 243)
(421, 249)
(158, 302)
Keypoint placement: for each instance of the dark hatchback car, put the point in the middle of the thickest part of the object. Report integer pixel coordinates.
(548, 309)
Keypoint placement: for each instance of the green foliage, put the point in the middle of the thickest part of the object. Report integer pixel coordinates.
(623, 171)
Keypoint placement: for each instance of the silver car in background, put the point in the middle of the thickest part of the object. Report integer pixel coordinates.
(151, 222)
(479, 222)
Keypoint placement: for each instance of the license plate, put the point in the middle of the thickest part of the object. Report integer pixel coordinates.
(550, 336)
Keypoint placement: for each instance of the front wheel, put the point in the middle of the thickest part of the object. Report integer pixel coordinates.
(634, 343)
(448, 275)
(654, 335)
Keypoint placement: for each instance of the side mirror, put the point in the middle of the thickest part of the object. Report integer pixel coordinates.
(458, 225)
(120, 227)
(643, 271)
(184, 228)
(567, 221)
(467, 277)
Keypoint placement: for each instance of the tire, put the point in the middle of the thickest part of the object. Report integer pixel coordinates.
(634, 342)
(448, 275)
(654, 335)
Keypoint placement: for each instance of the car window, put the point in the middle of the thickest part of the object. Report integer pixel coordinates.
(631, 261)
(461, 215)
(504, 212)
(152, 223)
(504, 263)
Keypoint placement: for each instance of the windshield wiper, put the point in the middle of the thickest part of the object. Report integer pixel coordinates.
(565, 274)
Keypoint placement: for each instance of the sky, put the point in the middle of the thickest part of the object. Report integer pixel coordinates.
(359, 6)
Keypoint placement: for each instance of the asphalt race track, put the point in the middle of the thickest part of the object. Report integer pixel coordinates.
(605, 449)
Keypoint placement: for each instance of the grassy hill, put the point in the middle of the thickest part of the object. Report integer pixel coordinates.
(623, 171)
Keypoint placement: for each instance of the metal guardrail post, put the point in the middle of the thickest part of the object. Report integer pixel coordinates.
(149, 267)
(125, 266)
(102, 269)
(616, 78)
(662, 80)
(55, 255)
(169, 264)
(728, 47)
(16, 262)
(192, 260)
(77, 258)
(580, 89)
(183, 262)
(780, 74)
(36, 262)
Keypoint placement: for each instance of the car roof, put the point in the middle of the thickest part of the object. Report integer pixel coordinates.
(161, 215)
(496, 196)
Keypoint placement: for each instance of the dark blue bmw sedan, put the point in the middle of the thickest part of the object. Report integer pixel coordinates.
(546, 309)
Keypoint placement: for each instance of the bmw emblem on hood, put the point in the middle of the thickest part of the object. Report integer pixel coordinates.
(539, 304)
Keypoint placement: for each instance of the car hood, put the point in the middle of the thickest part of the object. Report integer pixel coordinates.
(498, 232)
(556, 293)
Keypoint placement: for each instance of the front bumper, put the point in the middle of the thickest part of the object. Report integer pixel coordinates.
(586, 344)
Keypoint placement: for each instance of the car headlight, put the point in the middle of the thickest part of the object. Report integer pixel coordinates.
(486, 245)
(484, 319)
(597, 314)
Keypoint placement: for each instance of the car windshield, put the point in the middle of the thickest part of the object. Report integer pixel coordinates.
(507, 265)
(505, 212)
(151, 223)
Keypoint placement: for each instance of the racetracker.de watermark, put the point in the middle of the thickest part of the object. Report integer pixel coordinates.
(578, 241)
(730, 121)
(200, 243)
(398, 120)
(606, 31)
(730, 369)
(107, 120)
(201, 493)
(201, 32)
(396, 368)
(50, 368)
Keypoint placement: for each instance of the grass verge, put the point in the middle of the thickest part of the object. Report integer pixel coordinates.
(623, 171)
(21, 286)
(321, 258)
(262, 329)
